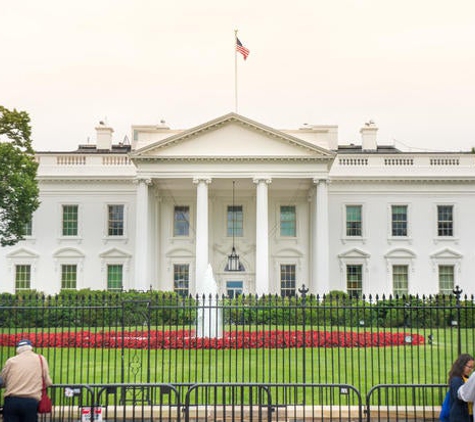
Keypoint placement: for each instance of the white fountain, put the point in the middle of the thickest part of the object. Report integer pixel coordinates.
(210, 319)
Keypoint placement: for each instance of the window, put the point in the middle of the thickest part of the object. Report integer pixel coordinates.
(233, 288)
(400, 280)
(235, 221)
(399, 220)
(115, 225)
(181, 278)
(114, 278)
(28, 228)
(446, 279)
(287, 280)
(288, 226)
(70, 220)
(353, 220)
(22, 277)
(68, 276)
(354, 280)
(445, 220)
(181, 226)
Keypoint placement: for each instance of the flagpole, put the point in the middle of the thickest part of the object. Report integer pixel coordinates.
(235, 73)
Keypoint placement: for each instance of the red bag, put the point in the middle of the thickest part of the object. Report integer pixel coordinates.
(44, 405)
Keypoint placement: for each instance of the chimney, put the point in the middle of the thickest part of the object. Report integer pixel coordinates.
(368, 136)
(104, 136)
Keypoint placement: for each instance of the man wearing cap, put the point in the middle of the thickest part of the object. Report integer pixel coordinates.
(23, 382)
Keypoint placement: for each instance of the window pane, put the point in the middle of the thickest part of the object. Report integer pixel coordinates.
(353, 220)
(445, 220)
(181, 277)
(116, 220)
(22, 277)
(68, 276)
(114, 277)
(446, 279)
(400, 280)
(288, 221)
(235, 220)
(70, 220)
(181, 225)
(399, 220)
(354, 280)
(287, 280)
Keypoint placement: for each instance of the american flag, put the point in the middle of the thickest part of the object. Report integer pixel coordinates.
(241, 49)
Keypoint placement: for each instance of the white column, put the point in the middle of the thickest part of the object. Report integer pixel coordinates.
(262, 236)
(142, 277)
(320, 264)
(201, 254)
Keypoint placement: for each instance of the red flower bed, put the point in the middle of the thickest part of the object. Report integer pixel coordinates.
(186, 339)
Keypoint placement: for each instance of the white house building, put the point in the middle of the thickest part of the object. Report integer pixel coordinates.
(297, 206)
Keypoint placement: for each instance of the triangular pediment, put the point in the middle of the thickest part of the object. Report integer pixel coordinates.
(115, 253)
(446, 253)
(354, 253)
(22, 253)
(232, 135)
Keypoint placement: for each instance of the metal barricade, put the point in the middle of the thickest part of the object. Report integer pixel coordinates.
(143, 402)
(272, 402)
(408, 402)
(266, 402)
(69, 402)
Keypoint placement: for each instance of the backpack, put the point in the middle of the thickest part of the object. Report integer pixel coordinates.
(445, 409)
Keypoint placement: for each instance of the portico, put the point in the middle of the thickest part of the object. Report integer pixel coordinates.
(195, 185)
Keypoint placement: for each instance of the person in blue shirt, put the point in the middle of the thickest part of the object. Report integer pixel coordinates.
(460, 411)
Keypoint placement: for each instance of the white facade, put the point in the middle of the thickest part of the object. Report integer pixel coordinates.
(363, 219)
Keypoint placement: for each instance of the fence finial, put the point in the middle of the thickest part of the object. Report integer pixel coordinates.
(303, 290)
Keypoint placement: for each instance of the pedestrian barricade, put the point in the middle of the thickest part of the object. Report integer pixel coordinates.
(408, 402)
(266, 402)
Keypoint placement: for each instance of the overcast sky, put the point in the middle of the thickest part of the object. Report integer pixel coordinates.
(408, 65)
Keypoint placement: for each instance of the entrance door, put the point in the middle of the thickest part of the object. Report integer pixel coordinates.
(233, 288)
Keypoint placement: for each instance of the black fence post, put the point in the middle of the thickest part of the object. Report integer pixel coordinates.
(458, 292)
(303, 291)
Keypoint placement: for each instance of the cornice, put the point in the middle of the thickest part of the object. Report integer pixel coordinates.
(75, 180)
(398, 180)
(241, 159)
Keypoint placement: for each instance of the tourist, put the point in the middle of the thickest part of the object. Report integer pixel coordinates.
(23, 382)
(467, 391)
(460, 410)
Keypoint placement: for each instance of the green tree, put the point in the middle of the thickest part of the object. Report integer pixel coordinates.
(18, 185)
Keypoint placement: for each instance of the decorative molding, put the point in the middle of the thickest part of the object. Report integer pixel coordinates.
(321, 180)
(396, 179)
(145, 180)
(400, 256)
(23, 253)
(234, 158)
(354, 256)
(266, 179)
(77, 180)
(198, 179)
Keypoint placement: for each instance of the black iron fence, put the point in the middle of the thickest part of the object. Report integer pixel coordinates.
(100, 338)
